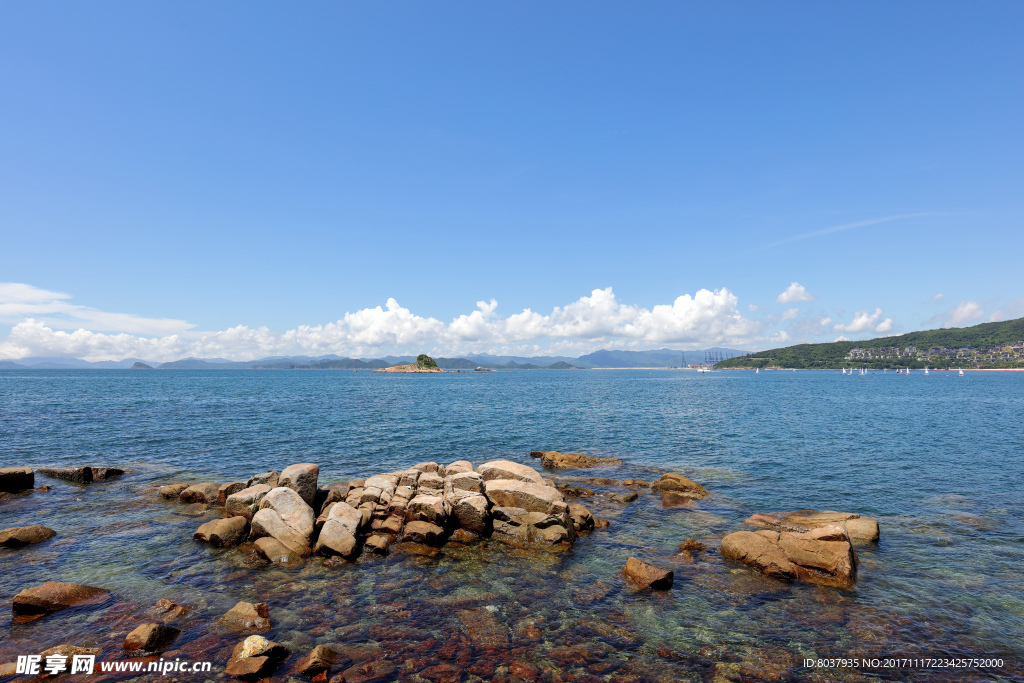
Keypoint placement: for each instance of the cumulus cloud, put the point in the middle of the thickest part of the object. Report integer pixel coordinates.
(592, 321)
(866, 321)
(795, 293)
(963, 313)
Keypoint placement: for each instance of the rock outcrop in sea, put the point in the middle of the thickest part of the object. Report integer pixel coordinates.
(290, 517)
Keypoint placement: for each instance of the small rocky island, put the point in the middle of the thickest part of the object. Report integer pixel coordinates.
(424, 363)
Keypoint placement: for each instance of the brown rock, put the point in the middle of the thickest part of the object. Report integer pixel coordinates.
(506, 469)
(575, 491)
(19, 536)
(318, 661)
(104, 473)
(255, 658)
(53, 597)
(794, 556)
(483, 628)
(172, 491)
(674, 499)
(636, 483)
(302, 479)
(228, 489)
(522, 494)
(678, 483)
(464, 536)
(248, 617)
(165, 609)
(581, 518)
(691, 545)
(246, 502)
(277, 552)
(14, 479)
(151, 637)
(269, 478)
(426, 533)
(626, 497)
(647, 575)
(223, 533)
(857, 528)
(378, 544)
(78, 475)
(206, 492)
(562, 461)
(441, 673)
(377, 671)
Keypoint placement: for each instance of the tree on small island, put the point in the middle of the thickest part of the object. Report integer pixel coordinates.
(425, 361)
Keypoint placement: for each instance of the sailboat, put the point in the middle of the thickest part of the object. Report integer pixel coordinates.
(757, 371)
(907, 372)
(961, 372)
(926, 369)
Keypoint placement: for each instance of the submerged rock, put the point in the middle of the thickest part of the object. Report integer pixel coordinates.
(824, 555)
(104, 473)
(19, 536)
(857, 528)
(377, 671)
(277, 552)
(151, 637)
(674, 499)
(647, 575)
(255, 658)
(563, 461)
(677, 482)
(53, 596)
(15, 479)
(223, 533)
(318, 661)
(78, 475)
(207, 492)
(172, 491)
(247, 616)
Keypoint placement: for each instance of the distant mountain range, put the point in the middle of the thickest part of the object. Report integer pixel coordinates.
(659, 358)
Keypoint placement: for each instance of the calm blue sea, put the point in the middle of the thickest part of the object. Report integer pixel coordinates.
(938, 459)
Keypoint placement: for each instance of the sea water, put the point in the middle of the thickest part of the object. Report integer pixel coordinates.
(937, 459)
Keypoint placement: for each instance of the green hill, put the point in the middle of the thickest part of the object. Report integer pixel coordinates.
(989, 345)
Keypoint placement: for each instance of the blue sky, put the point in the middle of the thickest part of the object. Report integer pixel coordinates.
(243, 179)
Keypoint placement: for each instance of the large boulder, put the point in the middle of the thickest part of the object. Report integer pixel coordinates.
(464, 481)
(276, 551)
(302, 479)
(255, 658)
(19, 536)
(506, 469)
(228, 489)
(473, 514)
(420, 531)
(680, 484)
(563, 461)
(269, 522)
(647, 575)
(824, 555)
(151, 637)
(14, 479)
(517, 493)
(246, 502)
(857, 528)
(338, 535)
(428, 509)
(248, 617)
(292, 508)
(270, 478)
(582, 519)
(207, 492)
(53, 597)
(458, 467)
(516, 525)
(223, 533)
(104, 473)
(77, 475)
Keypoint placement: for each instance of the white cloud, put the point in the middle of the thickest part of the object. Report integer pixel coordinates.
(841, 338)
(753, 307)
(939, 297)
(963, 313)
(1014, 308)
(19, 301)
(790, 314)
(794, 294)
(866, 321)
(848, 226)
(707, 317)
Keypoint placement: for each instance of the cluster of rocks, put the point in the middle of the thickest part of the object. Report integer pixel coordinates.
(288, 516)
(562, 461)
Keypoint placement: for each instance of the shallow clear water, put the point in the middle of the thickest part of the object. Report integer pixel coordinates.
(936, 459)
